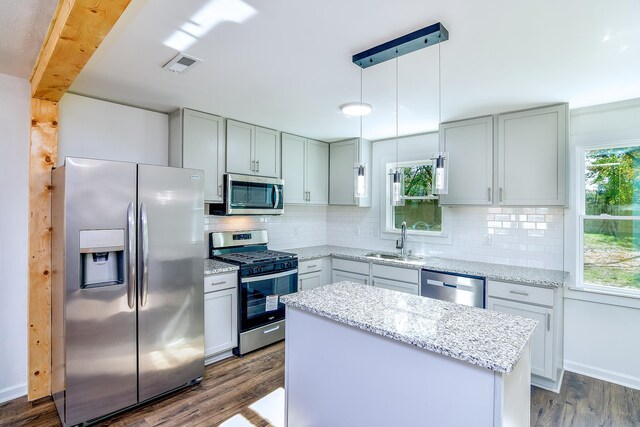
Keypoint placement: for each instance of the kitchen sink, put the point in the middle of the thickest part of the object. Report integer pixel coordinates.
(392, 256)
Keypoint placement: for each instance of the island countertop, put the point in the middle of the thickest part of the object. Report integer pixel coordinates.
(481, 337)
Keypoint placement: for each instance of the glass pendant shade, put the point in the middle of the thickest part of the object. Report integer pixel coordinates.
(440, 180)
(360, 184)
(397, 187)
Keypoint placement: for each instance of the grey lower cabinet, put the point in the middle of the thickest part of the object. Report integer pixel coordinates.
(351, 271)
(313, 273)
(220, 315)
(379, 275)
(545, 306)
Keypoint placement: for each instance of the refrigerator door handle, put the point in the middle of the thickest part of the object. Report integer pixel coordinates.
(131, 264)
(144, 290)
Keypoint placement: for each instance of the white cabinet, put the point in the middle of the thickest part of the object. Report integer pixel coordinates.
(220, 315)
(545, 306)
(470, 147)
(196, 141)
(351, 271)
(252, 150)
(521, 162)
(396, 278)
(312, 273)
(531, 156)
(343, 156)
(305, 170)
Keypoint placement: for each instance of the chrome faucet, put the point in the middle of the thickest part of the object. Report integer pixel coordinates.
(403, 237)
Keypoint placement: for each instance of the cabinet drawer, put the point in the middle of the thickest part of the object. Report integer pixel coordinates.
(218, 282)
(522, 293)
(310, 266)
(394, 285)
(396, 273)
(352, 266)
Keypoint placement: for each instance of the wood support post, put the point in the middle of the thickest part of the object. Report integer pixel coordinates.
(43, 155)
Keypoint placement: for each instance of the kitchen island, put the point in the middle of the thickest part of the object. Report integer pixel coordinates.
(357, 355)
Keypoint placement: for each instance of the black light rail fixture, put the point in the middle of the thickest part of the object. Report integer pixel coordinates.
(425, 37)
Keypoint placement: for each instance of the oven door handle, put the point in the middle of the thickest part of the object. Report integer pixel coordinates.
(268, 276)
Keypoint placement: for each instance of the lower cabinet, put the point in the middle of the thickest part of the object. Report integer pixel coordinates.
(220, 315)
(313, 273)
(350, 271)
(396, 278)
(545, 306)
(394, 285)
(340, 276)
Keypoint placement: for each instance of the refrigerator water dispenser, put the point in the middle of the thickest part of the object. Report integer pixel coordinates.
(102, 257)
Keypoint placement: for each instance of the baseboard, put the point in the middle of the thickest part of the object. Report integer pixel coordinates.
(548, 384)
(603, 374)
(217, 357)
(10, 393)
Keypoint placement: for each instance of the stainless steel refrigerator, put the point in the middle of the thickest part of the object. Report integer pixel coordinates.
(127, 285)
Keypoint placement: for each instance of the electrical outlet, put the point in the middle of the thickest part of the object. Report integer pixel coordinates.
(488, 239)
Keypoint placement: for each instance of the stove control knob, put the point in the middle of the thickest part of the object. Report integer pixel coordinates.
(250, 270)
(282, 265)
(289, 264)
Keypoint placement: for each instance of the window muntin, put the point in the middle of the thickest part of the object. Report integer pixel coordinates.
(610, 219)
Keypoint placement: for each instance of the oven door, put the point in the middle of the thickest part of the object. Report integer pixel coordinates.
(252, 195)
(260, 297)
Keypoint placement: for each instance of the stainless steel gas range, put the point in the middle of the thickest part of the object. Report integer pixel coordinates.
(264, 276)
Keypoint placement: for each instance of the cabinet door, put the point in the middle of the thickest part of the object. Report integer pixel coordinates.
(293, 161)
(309, 281)
(339, 276)
(470, 147)
(267, 152)
(394, 285)
(202, 143)
(542, 339)
(240, 138)
(531, 157)
(317, 165)
(220, 321)
(342, 158)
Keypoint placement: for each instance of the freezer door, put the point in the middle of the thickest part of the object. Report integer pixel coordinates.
(170, 278)
(99, 320)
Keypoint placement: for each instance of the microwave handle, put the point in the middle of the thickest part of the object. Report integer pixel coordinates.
(276, 192)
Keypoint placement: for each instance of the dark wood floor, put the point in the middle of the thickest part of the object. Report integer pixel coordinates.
(230, 386)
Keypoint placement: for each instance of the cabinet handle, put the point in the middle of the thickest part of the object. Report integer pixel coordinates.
(258, 166)
(312, 266)
(489, 193)
(309, 199)
(548, 321)
(501, 194)
(518, 293)
(220, 190)
(217, 283)
(365, 281)
(253, 165)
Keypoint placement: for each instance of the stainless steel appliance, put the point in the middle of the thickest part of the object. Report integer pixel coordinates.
(250, 195)
(264, 276)
(127, 301)
(453, 287)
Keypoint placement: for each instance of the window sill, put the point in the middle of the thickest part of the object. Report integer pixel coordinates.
(621, 297)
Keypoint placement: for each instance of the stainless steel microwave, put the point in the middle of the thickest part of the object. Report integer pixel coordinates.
(250, 195)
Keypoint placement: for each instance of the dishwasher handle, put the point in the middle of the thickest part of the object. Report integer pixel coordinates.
(451, 285)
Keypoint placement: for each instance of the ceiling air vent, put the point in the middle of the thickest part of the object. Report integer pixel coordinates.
(180, 62)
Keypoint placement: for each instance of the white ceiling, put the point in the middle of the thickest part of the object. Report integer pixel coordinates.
(288, 64)
(23, 25)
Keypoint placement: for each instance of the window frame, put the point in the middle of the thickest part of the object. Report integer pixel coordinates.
(388, 231)
(582, 216)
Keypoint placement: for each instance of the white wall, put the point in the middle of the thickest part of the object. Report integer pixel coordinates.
(601, 336)
(14, 186)
(523, 236)
(104, 130)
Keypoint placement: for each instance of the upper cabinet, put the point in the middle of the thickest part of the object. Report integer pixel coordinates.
(252, 150)
(470, 147)
(522, 162)
(531, 156)
(343, 156)
(196, 140)
(305, 170)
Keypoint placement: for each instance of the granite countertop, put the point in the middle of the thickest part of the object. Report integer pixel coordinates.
(489, 339)
(509, 273)
(212, 266)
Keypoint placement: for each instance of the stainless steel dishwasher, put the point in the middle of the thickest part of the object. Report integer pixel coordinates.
(453, 287)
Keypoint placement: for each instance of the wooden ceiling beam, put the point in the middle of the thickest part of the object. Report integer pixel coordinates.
(77, 29)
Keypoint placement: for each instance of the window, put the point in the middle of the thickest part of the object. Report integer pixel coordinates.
(421, 211)
(610, 218)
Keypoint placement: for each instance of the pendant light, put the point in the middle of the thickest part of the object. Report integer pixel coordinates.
(397, 174)
(360, 184)
(440, 171)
